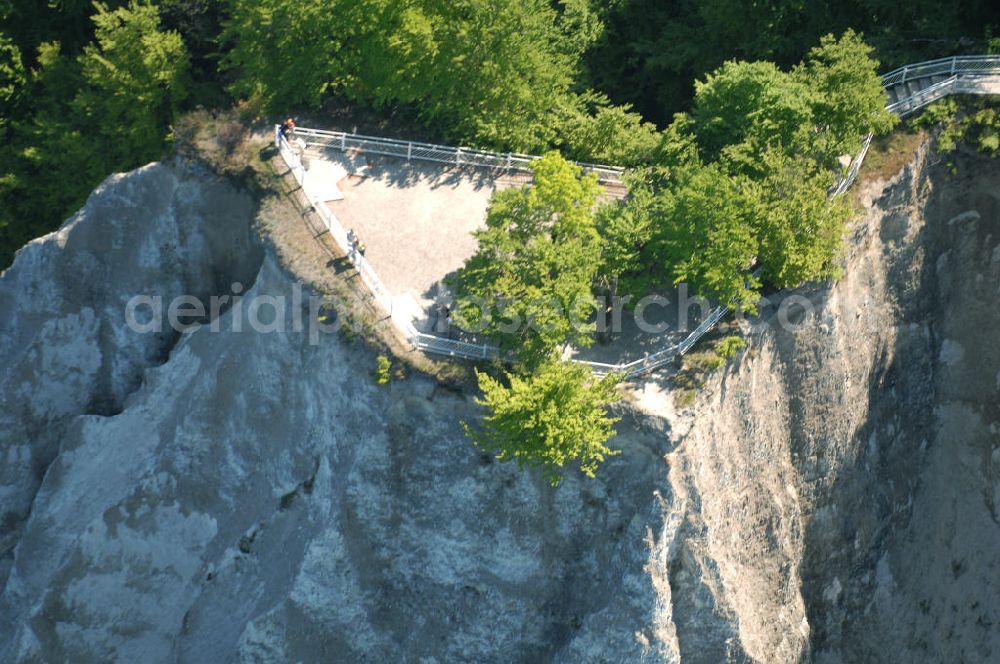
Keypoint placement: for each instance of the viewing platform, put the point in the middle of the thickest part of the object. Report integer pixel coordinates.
(415, 205)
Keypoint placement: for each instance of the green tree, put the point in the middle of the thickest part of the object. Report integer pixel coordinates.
(12, 77)
(743, 180)
(502, 74)
(626, 229)
(199, 23)
(529, 283)
(744, 109)
(651, 50)
(285, 58)
(799, 228)
(107, 109)
(705, 233)
(554, 417)
(506, 72)
(135, 77)
(30, 23)
(848, 101)
(12, 83)
(611, 135)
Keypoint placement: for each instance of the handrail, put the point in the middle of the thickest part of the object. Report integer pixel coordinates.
(442, 154)
(962, 72)
(852, 172)
(923, 97)
(380, 293)
(454, 347)
(959, 64)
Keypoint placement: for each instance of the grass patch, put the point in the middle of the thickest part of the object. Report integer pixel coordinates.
(729, 346)
(685, 397)
(696, 367)
(704, 361)
(222, 141)
(888, 154)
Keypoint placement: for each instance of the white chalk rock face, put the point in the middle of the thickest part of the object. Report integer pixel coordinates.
(235, 495)
(65, 348)
(247, 493)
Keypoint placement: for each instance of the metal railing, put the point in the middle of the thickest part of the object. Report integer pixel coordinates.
(964, 76)
(976, 65)
(440, 154)
(379, 292)
(923, 97)
(432, 343)
(852, 171)
(644, 365)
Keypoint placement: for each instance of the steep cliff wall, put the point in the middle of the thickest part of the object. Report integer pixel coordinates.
(846, 466)
(65, 348)
(233, 494)
(250, 495)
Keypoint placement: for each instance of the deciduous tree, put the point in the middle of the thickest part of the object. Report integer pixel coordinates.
(529, 283)
(555, 417)
(848, 101)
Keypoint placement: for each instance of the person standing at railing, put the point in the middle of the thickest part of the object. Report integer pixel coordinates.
(355, 247)
(352, 245)
(287, 129)
(442, 320)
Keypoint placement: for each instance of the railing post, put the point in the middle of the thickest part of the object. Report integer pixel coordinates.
(953, 62)
(409, 151)
(458, 157)
(343, 142)
(905, 69)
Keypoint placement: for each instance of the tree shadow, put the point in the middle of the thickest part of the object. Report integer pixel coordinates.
(399, 172)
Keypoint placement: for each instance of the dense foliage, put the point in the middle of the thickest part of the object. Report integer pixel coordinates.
(553, 417)
(651, 50)
(976, 123)
(70, 121)
(503, 74)
(515, 75)
(528, 285)
(743, 179)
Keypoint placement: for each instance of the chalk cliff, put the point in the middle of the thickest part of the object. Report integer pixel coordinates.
(237, 495)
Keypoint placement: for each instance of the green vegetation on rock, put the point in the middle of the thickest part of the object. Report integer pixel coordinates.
(743, 179)
(552, 418)
(382, 366)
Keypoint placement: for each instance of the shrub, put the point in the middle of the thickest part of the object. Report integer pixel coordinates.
(685, 397)
(729, 346)
(556, 416)
(382, 366)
